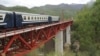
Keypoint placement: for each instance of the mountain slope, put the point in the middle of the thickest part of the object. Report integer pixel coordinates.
(68, 10)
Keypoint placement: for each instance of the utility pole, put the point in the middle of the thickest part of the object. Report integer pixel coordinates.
(62, 15)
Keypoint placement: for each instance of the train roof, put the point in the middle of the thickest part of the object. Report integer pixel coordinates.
(31, 14)
(24, 13)
(3, 11)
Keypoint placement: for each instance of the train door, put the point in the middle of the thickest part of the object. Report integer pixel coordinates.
(17, 20)
(9, 19)
(49, 19)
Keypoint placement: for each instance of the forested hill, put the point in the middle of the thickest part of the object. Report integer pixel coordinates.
(68, 9)
(86, 28)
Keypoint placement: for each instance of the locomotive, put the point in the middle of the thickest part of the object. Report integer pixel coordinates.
(9, 19)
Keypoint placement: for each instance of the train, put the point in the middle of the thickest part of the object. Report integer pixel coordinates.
(12, 19)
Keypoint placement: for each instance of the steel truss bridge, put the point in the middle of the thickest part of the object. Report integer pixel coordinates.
(21, 41)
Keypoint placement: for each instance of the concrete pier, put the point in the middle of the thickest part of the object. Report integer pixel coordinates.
(59, 44)
(68, 37)
(62, 39)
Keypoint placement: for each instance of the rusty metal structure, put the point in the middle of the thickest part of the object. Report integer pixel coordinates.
(21, 41)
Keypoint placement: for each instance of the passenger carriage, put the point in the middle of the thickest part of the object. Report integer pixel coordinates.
(9, 19)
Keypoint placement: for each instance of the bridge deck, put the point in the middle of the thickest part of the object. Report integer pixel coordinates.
(11, 33)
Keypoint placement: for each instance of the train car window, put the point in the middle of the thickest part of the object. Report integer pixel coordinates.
(38, 18)
(0, 15)
(24, 17)
(1, 18)
(28, 18)
(32, 18)
(42, 18)
(35, 18)
(45, 18)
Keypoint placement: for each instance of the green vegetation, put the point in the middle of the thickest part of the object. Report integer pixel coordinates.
(71, 53)
(85, 53)
(86, 28)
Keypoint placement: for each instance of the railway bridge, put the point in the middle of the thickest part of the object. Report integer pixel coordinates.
(19, 42)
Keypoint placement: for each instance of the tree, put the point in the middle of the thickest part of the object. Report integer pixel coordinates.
(87, 26)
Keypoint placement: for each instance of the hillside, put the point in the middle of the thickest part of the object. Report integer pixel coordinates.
(86, 28)
(68, 10)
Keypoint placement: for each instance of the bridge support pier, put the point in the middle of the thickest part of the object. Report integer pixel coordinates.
(68, 38)
(59, 44)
